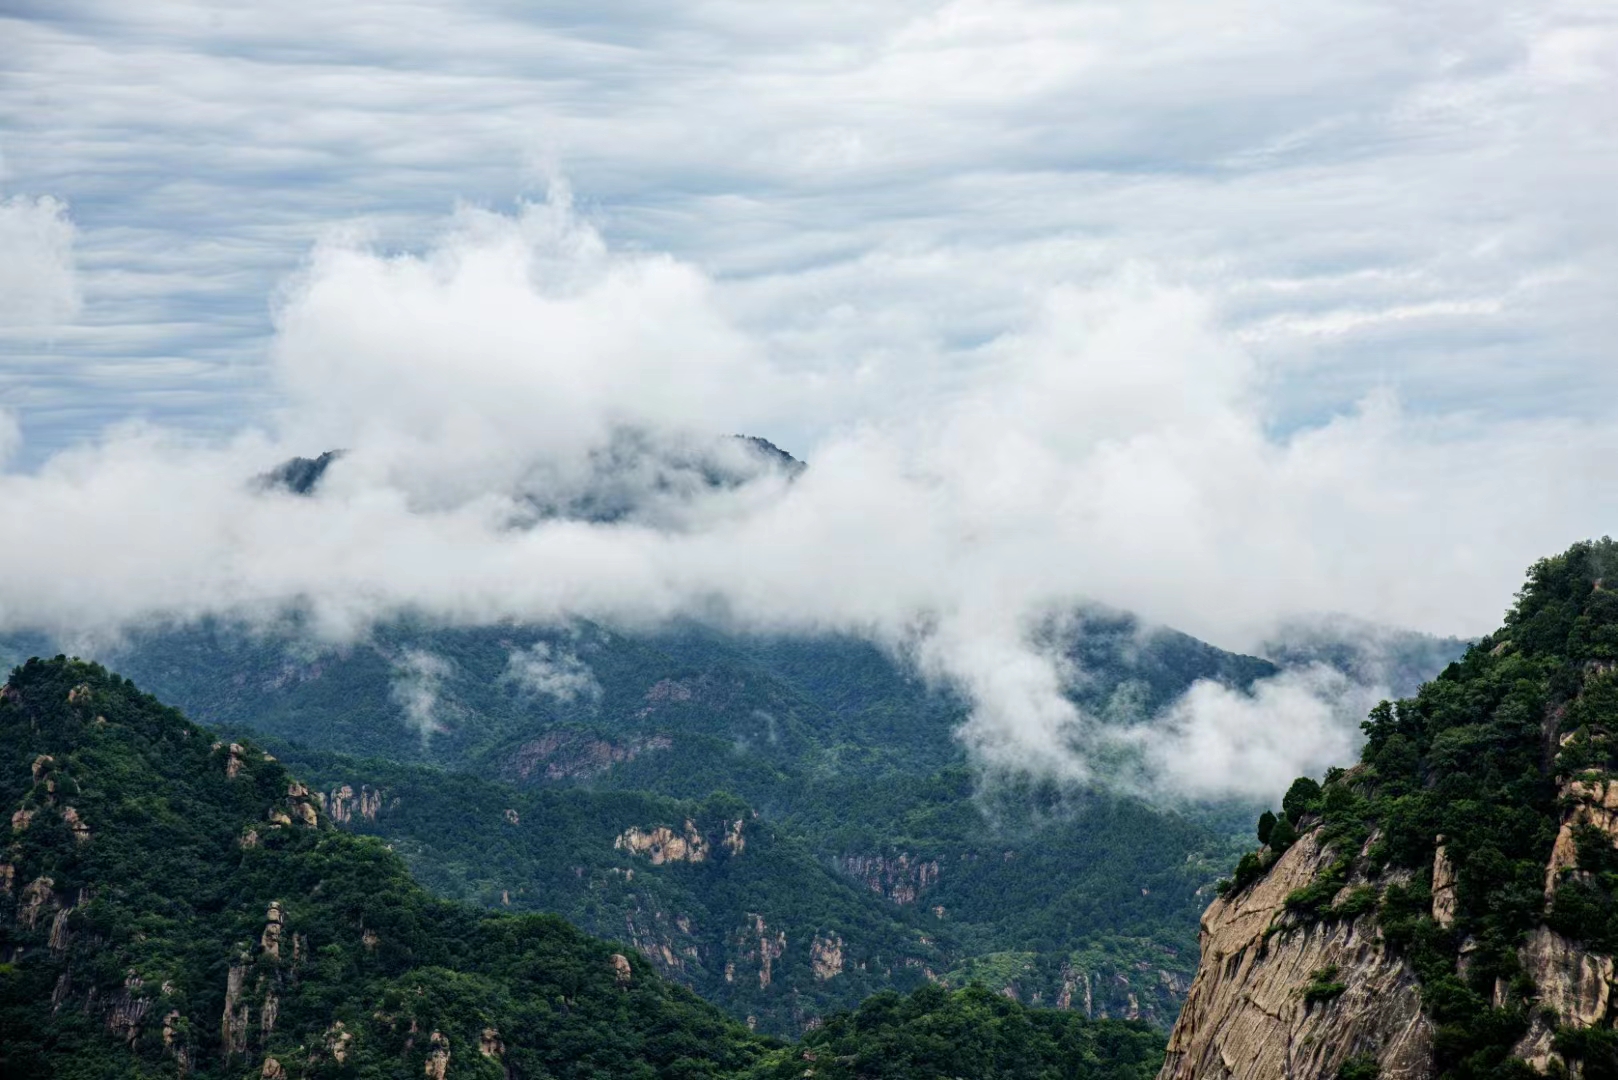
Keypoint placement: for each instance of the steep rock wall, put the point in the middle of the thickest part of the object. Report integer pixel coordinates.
(1247, 1016)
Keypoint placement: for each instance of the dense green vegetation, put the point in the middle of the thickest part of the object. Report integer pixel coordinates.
(170, 904)
(556, 849)
(849, 761)
(1472, 762)
(164, 907)
(970, 1032)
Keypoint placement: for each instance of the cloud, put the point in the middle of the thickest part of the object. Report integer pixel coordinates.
(1113, 449)
(39, 287)
(1216, 313)
(1217, 741)
(417, 688)
(1369, 194)
(553, 672)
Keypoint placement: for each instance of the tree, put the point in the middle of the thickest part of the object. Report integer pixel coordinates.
(1302, 797)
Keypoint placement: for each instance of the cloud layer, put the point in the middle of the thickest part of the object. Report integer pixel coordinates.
(1367, 194)
(1218, 313)
(1114, 450)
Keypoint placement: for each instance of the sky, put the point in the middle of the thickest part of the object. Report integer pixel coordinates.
(1219, 312)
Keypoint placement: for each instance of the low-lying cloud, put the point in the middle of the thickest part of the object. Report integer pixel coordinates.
(417, 688)
(552, 671)
(1115, 449)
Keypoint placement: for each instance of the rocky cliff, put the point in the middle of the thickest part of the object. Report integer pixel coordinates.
(1449, 907)
(1275, 996)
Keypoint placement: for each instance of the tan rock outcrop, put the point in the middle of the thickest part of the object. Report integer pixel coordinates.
(663, 845)
(1443, 887)
(37, 900)
(437, 1063)
(128, 1009)
(826, 956)
(76, 825)
(1589, 801)
(572, 755)
(1245, 1016)
(59, 936)
(342, 804)
(270, 940)
(621, 969)
(337, 1042)
(757, 944)
(1576, 983)
(233, 1023)
(901, 878)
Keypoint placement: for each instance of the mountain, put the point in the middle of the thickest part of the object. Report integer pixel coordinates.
(867, 805)
(874, 835)
(176, 905)
(1448, 907)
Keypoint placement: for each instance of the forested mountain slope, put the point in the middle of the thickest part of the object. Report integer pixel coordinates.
(871, 822)
(1057, 895)
(176, 905)
(1448, 907)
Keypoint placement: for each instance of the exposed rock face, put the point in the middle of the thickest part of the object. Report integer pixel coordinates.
(826, 956)
(663, 844)
(37, 899)
(59, 936)
(1246, 1016)
(1575, 983)
(233, 1024)
(342, 804)
(76, 824)
(1590, 801)
(621, 969)
(1571, 980)
(437, 1063)
(337, 1040)
(128, 1010)
(568, 755)
(757, 944)
(270, 941)
(1443, 887)
(901, 878)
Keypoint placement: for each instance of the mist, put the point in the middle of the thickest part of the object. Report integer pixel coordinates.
(1117, 448)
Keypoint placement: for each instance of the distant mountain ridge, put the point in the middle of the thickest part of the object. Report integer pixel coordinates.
(176, 905)
(877, 857)
(873, 829)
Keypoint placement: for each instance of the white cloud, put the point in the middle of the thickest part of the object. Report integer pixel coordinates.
(418, 687)
(1115, 449)
(553, 672)
(1376, 194)
(38, 285)
(1217, 313)
(1216, 741)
